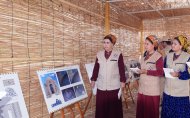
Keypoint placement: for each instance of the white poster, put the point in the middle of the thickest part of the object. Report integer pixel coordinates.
(61, 87)
(89, 69)
(12, 103)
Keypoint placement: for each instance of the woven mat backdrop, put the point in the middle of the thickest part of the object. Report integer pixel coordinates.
(38, 34)
(168, 27)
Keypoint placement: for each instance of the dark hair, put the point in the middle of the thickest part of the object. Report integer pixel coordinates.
(168, 42)
(108, 37)
(147, 38)
(111, 37)
(177, 39)
(145, 53)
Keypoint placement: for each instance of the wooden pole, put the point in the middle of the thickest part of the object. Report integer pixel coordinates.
(89, 99)
(125, 96)
(70, 109)
(51, 115)
(78, 106)
(107, 18)
(130, 93)
(62, 113)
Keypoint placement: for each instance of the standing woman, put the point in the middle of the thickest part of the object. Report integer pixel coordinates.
(176, 101)
(110, 76)
(149, 83)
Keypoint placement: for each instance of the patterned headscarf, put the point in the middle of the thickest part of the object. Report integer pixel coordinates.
(153, 39)
(188, 47)
(182, 40)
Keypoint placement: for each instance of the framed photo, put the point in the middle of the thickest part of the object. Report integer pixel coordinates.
(62, 87)
(12, 104)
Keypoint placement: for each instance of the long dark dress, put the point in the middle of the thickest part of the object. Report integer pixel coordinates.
(107, 103)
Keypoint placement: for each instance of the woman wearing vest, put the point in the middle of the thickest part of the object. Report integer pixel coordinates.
(149, 83)
(110, 76)
(176, 101)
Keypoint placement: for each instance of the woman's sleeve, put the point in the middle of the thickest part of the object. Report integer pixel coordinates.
(185, 74)
(159, 68)
(121, 69)
(95, 71)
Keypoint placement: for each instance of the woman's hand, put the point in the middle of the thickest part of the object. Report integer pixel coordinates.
(175, 74)
(142, 71)
(92, 84)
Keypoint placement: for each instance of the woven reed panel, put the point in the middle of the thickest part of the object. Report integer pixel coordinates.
(170, 27)
(128, 41)
(38, 34)
(120, 16)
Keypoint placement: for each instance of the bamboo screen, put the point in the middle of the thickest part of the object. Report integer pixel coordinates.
(168, 27)
(38, 34)
(128, 42)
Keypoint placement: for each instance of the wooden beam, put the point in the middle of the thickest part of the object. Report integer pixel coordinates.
(155, 9)
(125, 12)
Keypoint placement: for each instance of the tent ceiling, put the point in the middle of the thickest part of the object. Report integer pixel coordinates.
(152, 9)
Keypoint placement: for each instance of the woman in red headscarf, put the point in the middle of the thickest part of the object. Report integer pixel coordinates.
(149, 83)
(110, 76)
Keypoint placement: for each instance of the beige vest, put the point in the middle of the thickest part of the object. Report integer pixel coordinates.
(177, 87)
(149, 85)
(108, 76)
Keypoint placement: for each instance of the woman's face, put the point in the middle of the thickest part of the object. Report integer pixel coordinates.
(176, 46)
(148, 46)
(108, 46)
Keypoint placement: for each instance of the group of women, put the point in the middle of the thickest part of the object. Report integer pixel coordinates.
(109, 74)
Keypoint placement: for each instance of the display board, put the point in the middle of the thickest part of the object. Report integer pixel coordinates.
(61, 87)
(12, 104)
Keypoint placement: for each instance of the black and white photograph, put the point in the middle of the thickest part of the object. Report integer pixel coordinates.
(73, 76)
(68, 94)
(63, 78)
(79, 90)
